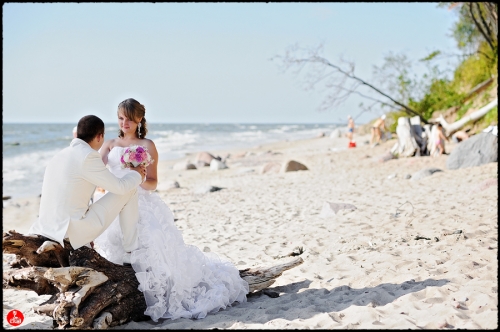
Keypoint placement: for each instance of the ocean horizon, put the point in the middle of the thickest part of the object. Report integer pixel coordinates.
(27, 147)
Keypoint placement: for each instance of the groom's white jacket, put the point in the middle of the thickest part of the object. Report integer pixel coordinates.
(69, 182)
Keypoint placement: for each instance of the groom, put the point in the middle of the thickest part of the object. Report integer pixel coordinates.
(68, 184)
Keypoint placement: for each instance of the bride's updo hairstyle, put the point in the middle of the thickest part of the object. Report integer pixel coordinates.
(133, 110)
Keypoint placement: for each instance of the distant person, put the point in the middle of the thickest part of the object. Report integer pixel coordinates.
(377, 128)
(439, 138)
(350, 128)
(459, 136)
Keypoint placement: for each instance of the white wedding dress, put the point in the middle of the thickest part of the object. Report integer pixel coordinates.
(177, 279)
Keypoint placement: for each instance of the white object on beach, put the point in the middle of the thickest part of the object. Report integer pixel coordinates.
(491, 129)
(331, 209)
(407, 145)
(336, 133)
(216, 165)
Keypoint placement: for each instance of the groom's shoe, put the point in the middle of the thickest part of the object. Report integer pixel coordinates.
(126, 258)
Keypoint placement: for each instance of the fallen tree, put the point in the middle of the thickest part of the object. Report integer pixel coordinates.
(450, 128)
(87, 290)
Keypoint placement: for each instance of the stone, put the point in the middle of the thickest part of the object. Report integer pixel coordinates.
(385, 157)
(245, 170)
(475, 151)
(206, 189)
(201, 164)
(240, 155)
(424, 173)
(204, 157)
(271, 167)
(331, 209)
(293, 166)
(167, 185)
(183, 165)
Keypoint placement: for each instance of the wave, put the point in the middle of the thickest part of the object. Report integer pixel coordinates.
(27, 148)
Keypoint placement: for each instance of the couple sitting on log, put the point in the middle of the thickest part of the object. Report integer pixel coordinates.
(130, 223)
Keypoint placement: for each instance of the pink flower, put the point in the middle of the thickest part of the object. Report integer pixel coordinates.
(136, 155)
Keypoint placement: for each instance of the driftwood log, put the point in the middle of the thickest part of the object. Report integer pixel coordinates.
(450, 128)
(88, 291)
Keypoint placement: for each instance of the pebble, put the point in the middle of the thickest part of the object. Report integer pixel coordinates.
(442, 324)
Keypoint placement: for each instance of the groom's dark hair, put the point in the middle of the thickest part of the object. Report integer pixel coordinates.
(89, 127)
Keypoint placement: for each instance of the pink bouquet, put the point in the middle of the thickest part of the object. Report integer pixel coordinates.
(136, 155)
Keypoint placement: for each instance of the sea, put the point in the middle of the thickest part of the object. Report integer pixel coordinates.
(28, 147)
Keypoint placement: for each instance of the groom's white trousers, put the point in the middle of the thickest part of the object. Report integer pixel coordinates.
(101, 214)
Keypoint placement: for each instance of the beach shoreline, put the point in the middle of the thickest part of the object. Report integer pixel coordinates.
(410, 254)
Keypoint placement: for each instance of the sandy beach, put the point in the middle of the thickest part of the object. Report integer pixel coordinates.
(404, 254)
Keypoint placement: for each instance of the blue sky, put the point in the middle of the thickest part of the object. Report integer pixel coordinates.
(198, 62)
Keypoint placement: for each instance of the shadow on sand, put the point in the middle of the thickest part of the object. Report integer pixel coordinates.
(293, 296)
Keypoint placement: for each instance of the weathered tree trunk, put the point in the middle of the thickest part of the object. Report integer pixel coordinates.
(85, 287)
(87, 290)
(453, 127)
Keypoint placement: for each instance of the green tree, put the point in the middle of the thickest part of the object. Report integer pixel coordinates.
(478, 23)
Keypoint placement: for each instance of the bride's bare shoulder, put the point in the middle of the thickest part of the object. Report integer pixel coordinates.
(149, 143)
(109, 144)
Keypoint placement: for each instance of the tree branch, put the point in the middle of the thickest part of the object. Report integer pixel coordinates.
(486, 37)
(368, 97)
(326, 62)
(485, 24)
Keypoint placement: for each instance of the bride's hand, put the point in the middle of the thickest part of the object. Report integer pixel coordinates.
(141, 170)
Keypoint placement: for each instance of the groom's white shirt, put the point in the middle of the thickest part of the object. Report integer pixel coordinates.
(69, 182)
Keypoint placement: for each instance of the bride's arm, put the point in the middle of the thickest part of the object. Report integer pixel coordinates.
(151, 176)
(104, 151)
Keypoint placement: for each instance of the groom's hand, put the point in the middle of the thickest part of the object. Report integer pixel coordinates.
(141, 170)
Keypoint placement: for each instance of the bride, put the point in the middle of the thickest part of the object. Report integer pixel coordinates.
(178, 280)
